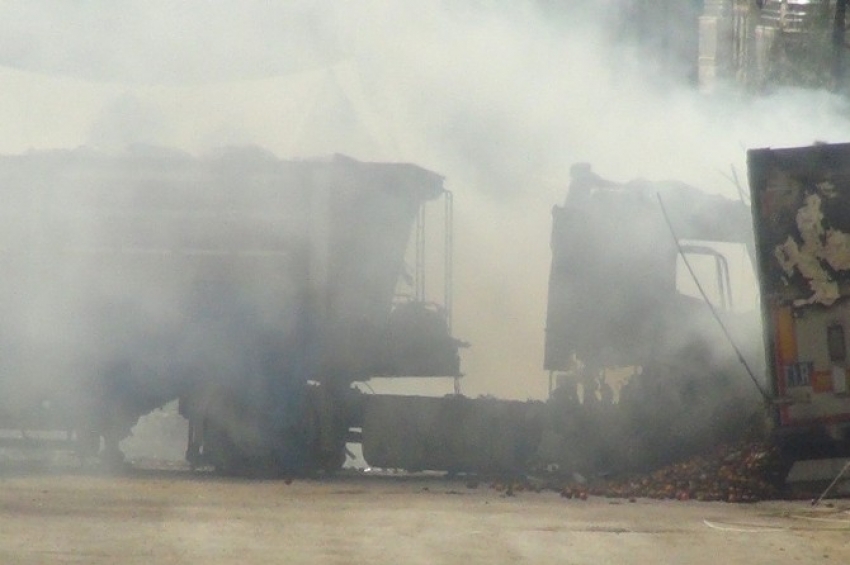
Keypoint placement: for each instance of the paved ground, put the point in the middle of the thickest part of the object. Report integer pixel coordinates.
(173, 517)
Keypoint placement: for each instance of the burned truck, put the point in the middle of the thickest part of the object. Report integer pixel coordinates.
(645, 284)
(255, 290)
(801, 213)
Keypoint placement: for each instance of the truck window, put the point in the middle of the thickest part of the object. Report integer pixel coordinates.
(724, 271)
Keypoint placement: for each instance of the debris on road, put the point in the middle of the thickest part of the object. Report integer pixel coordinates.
(745, 472)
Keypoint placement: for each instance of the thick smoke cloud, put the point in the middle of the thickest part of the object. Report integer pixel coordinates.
(161, 42)
(500, 97)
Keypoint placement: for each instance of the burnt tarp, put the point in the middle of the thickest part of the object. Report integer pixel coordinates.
(801, 207)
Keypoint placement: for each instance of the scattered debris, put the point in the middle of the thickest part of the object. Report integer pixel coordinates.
(746, 472)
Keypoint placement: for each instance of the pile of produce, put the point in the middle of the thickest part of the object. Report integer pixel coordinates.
(746, 472)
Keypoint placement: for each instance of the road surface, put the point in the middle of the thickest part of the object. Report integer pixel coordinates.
(170, 517)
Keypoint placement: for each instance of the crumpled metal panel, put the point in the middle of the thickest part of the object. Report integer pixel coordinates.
(801, 199)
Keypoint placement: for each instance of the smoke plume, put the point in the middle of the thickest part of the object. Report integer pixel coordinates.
(500, 97)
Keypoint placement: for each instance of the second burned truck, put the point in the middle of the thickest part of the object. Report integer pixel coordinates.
(633, 350)
(618, 301)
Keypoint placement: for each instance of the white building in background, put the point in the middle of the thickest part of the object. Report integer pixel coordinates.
(757, 43)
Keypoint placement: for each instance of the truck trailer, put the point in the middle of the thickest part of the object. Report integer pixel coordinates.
(254, 290)
(801, 215)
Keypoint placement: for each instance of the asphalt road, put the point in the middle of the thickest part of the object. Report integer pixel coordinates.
(169, 517)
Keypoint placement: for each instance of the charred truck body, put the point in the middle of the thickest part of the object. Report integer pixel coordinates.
(801, 213)
(633, 349)
(253, 289)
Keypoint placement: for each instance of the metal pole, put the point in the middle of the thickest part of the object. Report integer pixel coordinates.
(832, 484)
(448, 257)
(448, 247)
(420, 255)
(708, 303)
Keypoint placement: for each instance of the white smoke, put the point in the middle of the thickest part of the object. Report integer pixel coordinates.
(500, 97)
